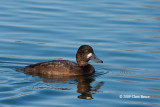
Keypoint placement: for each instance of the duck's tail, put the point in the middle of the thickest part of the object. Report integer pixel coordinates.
(23, 69)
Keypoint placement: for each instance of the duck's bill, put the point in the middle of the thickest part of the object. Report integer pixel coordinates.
(95, 59)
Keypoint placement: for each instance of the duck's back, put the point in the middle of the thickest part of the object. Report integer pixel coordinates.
(58, 67)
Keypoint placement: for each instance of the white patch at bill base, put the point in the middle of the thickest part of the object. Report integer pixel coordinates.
(89, 55)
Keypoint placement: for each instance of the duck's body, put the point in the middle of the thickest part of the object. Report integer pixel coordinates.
(59, 67)
(65, 67)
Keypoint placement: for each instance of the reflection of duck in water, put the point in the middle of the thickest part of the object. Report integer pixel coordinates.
(84, 87)
(65, 67)
(83, 83)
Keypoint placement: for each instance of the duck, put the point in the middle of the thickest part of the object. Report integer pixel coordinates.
(84, 54)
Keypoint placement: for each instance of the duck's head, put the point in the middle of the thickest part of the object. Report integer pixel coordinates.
(84, 54)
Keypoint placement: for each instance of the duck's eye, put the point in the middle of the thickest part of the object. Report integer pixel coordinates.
(86, 50)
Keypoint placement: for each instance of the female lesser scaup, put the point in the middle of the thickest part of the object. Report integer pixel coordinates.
(65, 67)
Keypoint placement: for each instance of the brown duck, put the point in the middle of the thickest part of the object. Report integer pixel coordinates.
(65, 67)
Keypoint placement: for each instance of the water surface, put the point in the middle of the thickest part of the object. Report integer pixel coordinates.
(124, 34)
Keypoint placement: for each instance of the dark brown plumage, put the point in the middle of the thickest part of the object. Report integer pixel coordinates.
(65, 67)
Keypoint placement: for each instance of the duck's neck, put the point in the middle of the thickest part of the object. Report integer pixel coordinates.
(82, 63)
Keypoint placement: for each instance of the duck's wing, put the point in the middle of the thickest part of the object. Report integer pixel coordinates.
(54, 67)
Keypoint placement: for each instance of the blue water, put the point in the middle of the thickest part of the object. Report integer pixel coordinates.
(124, 34)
